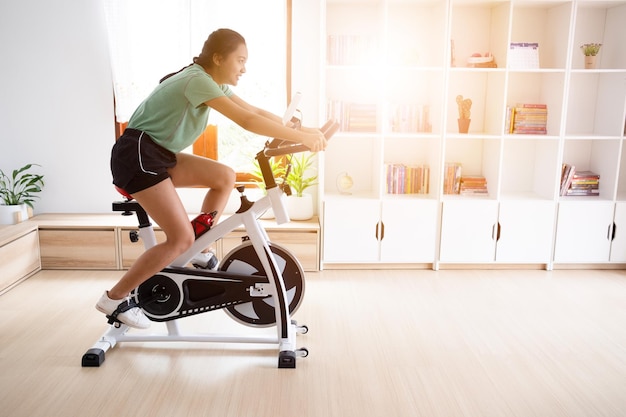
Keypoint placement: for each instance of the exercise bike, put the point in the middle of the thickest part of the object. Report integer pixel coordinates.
(259, 283)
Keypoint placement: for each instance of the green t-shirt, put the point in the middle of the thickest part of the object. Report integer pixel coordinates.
(174, 114)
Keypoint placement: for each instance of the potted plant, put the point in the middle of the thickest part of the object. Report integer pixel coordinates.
(590, 50)
(300, 204)
(17, 193)
(465, 106)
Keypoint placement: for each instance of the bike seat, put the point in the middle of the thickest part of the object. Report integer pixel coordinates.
(124, 193)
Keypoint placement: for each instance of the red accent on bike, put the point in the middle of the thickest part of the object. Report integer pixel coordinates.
(202, 223)
(124, 193)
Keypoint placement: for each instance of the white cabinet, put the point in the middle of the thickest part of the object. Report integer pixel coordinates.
(366, 230)
(391, 71)
(409, 233)
(526, 231)
(351, 230)
(516, 231)
(584, 232)
(591, 232)
(469, 231)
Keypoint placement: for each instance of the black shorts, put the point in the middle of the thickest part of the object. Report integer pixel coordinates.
(138, 163)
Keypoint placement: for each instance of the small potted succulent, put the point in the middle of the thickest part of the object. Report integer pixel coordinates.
(465, 106)
(590, 50)
(17, 193)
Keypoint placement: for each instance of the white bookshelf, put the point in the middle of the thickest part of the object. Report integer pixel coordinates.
(413, 54)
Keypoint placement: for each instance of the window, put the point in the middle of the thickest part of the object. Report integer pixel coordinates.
(151, 38)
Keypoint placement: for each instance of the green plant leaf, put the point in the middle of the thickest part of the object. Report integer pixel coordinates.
(21, 187)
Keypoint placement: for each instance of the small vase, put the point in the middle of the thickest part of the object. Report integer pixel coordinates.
(590, 62)
(464, 125)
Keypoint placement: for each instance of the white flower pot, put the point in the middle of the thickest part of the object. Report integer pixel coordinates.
(13, 214)
(299, 208)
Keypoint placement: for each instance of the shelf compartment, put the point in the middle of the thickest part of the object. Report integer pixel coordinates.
(528, 168)
(600, 22)
(414, 152)
(478, 28)
(596, 104)
(597, 155)
(477, 157)
(539, 87)
(341, 158)
(546, 23)
(413, 101)
(486, 90)
(352, 40)
(413, 35)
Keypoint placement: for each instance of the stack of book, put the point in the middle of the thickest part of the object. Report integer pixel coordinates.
(409, 118)
(403, 179)
(350, 49)
(527, 119)
(353, 117)
(579, 183)
(473, 185)
(452, 178)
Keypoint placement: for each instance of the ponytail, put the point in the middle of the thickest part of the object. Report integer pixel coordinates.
(173, 73)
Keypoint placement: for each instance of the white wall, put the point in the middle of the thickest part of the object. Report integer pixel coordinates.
(56, 100)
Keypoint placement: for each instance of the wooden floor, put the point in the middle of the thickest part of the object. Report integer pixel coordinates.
(382, 344)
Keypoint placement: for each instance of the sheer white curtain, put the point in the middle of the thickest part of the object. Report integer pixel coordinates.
(151, 38)
(147, 39)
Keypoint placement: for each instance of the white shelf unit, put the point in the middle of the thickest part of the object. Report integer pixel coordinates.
(412, 54)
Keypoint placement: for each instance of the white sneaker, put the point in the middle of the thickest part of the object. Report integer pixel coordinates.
(204, 260)
(124, 311)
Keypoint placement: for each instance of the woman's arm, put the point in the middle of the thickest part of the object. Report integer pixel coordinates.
(242, 103)
(265, 123)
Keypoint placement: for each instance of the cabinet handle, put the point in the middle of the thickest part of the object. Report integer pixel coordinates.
(611, 232)
(382, 231)
(614, 229)
(376, 230)
(495, 232)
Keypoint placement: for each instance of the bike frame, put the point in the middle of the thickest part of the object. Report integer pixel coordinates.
(247, 217)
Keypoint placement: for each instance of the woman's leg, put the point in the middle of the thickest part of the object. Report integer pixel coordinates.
(196, 171)
(163, 204)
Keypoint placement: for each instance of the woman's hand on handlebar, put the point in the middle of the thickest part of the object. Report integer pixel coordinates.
(313, 139)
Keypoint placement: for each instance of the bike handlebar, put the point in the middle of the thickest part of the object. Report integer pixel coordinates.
(275, 148)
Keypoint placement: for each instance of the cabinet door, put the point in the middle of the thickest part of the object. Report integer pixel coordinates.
(468, 231)
(410, 228)
(78, 248)
(526, 231)
(350, 230)
(618, 245)
(19, 259)
(132, 250)
(583, 232)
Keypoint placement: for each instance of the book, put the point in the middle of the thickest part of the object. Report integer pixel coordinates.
(567, 173)
(579, 183)
(407, 179)
(527, 118)
(452, 178)
(473, 185)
